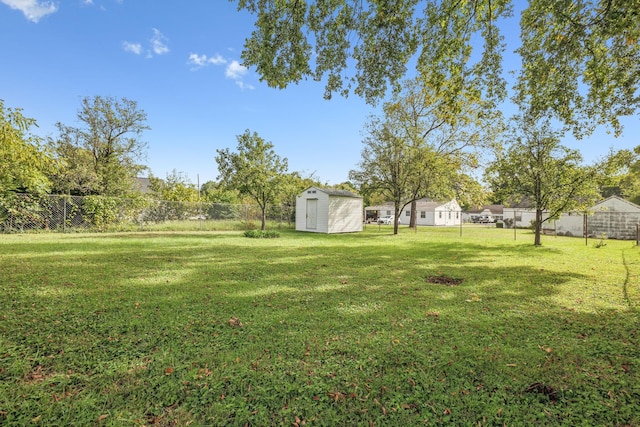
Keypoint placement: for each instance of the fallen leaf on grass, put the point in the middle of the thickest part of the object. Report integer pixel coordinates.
(103, 417)
(474, 298)
(384, 410)
(335, 395)
(234, 322)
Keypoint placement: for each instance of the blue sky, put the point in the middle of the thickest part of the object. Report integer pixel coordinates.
(181, 62)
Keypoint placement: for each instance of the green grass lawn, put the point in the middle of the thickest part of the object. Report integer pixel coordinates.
(213, 328)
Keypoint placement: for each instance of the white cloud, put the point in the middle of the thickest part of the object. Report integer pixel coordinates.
(135, 48)
(235, 70)
(158, 43)
(242, 85)
(33, 10)
(199, 61)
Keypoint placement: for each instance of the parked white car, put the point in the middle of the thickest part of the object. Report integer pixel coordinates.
(387, 219)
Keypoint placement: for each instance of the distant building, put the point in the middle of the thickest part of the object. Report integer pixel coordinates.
(144, 185)
(428, 212)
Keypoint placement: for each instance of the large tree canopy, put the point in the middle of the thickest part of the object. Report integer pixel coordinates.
(379, 37)
(104, 153)
(424, 146)
(580, 58)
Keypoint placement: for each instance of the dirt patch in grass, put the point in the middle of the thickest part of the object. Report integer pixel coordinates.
(444, 280)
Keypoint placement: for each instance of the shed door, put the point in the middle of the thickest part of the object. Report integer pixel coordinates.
(312, 213)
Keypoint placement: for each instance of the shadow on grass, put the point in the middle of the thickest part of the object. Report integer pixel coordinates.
(325, 325)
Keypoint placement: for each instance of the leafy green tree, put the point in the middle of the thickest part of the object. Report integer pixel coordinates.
(424, 146)
(623, 175)
(24, 164)
(254, 170)
(580, 59)
(176, 187)
(538, 168)
(216, 192)
(76, 175)
(105, 151)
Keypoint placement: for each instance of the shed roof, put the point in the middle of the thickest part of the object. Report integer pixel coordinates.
(333, 192)
(421, 204)
(631, 206)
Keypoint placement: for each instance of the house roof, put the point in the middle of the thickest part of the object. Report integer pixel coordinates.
(494, 209)
(421, 204)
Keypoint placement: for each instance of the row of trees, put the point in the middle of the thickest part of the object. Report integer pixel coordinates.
(423, 145)
(105, 155)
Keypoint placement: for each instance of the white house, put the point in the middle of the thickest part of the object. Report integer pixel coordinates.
(323, 210)
(613, 217)
(428, 212)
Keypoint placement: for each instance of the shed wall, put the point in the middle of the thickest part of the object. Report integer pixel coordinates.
(322, 212)
(344, 214)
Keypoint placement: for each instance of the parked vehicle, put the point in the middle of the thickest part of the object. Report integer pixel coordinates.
(387, 219)
(485, 219)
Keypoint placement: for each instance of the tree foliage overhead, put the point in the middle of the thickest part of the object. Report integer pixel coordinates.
(254, 170)
(295, 40)
(109, 141)
(580, 59)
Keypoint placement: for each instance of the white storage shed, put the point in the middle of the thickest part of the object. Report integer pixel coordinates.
(323, 210)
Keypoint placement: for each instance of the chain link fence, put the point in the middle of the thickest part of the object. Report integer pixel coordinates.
(20, 213)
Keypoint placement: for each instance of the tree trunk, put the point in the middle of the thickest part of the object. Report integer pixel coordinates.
(264, 218)
(413, 221)
(538, 228)
(395, 219)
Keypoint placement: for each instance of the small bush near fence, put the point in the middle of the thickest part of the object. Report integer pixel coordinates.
(261, 234)
(22, 213)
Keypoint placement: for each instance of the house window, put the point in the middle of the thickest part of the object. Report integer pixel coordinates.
(423, 214)
(457, 215)
(518, 217)
(388, 212)
(449, 214)
(440, 214)
(407, 213)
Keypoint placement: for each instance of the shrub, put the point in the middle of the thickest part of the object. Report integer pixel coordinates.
(257, 234)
